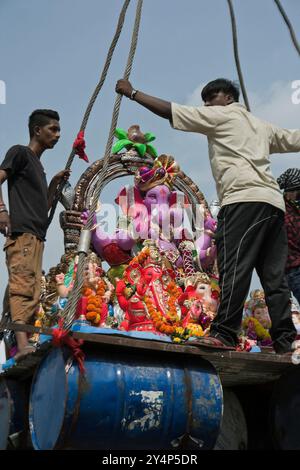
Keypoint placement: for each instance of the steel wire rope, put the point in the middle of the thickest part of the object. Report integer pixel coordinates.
(236, 54)
(92, 100)
(71, 307)
(289, 25)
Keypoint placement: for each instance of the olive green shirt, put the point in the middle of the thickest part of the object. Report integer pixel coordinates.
(240, 145)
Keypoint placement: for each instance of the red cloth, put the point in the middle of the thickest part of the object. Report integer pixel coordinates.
(61, 338)
(114, 255)
(79, 146)
(81, 306)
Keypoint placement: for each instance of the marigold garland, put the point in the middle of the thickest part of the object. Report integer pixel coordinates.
(171, 323)
(141, 256)
(194, 329)
(94, 302)
(163, 323)
(260, 331)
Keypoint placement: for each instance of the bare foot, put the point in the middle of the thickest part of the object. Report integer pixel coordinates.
(24, 352)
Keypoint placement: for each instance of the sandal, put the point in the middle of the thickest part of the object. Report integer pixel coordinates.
(212, 342)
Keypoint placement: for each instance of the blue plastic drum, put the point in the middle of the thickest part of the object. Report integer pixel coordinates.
(125, 401)
(4, 414)
(285, 411)
(13, 409)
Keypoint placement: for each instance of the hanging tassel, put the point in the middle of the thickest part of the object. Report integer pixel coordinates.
(79, 146)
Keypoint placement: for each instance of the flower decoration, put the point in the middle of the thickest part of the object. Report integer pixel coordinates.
(194, 330)
(94, 302)
(164, 171)
(245, 344)
(169, 323)
(134, 138)
(252, 325)
(79, 146)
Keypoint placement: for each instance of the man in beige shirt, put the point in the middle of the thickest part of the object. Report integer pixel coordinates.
(251, 231)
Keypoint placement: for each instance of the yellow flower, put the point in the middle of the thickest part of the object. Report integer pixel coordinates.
(260, 331)
(176, 339)
(195, 330)
(179, 330)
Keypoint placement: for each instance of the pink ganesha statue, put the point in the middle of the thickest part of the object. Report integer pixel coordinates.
(152, 210)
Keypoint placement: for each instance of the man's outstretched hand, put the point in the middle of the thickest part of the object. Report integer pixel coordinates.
(60, 177)
(124, 87)
(63, 175)
(5, 227)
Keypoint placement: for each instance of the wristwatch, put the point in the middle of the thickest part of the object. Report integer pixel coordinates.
(133, 93)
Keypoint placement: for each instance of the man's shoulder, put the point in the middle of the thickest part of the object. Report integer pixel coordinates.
(18, 149)
(16, 158)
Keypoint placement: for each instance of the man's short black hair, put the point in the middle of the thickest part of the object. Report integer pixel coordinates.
(41, 117)
(220, 84)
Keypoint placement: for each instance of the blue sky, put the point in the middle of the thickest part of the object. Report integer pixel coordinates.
(52, 53)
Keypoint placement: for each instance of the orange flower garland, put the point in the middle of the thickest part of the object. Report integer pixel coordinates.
(95, 302)
(161, 323)
(141, 256)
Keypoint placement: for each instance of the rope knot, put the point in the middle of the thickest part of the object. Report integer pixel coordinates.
(61, 338)
(79, 146)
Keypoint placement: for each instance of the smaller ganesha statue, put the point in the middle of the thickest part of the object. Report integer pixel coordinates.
(95, 304)
(199, 303)
(256, 322)
(64, 285)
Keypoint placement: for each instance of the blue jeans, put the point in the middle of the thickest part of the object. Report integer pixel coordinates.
(293, 278)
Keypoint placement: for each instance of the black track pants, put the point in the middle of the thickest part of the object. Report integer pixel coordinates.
(252, 235)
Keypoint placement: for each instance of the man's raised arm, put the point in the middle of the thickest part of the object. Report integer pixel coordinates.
(284, 140)
(160, 107)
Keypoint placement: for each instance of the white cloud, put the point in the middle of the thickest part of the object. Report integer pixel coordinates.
(276, 105)
(194, 98)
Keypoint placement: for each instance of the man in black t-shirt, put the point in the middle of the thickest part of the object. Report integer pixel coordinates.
(25, 225)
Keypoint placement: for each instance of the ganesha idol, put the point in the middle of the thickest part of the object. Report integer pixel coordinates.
(148, 295)
(153, 210)
(200, 300)
(257, 322)
(94, 304)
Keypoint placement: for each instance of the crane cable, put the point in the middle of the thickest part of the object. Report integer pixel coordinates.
(92, 101)
(84, 243)
(236, 54)
(289, 25)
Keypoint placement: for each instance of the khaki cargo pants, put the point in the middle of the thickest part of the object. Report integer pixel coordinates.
(24, 254)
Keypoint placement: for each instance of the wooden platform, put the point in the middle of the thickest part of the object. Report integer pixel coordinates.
(234, 368)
